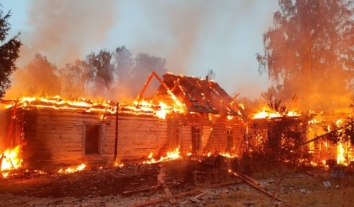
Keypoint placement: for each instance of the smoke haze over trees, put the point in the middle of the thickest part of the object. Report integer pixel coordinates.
(309, 51)
(9, 52)
(41, 77)
(109, 75)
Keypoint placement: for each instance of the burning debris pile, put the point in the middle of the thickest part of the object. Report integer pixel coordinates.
(320, 139)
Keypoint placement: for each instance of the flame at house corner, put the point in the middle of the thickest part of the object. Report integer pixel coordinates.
(10, 160)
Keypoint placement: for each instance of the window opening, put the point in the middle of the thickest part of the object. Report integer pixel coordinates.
(196, 138)
(92, 139)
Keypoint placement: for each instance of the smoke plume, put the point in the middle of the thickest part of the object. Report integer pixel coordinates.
(65, 30)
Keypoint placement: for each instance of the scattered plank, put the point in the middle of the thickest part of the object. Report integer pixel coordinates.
(250, 179)
(226, 184)
(257, 187)
(195, 197)
(161, 200)
(168, 193)
(309, 173)
(181, 195)
(130, 192)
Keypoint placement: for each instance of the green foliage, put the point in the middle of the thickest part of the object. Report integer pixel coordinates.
(9, 52)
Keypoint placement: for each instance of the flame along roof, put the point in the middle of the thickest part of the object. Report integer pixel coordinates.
(56, 102)
(198, 95)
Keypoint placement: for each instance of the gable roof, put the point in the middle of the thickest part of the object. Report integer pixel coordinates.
(198, 95)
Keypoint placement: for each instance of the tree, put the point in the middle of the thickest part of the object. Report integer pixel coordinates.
(144, 65)
(123, 64)
(77, 79)
(41, 77)
(9, 52)
(309, 51)
(211, 74)
(102, 70)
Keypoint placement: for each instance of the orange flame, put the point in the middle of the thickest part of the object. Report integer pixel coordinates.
(56, 102)
(171, 155)
(119, 165)
(160, 110)
(163, 111)
(340, 154)
(267, 114)
(229, 155)
(72, 170)
(10, 160)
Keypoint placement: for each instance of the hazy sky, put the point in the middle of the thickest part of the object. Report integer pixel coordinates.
(192, 35)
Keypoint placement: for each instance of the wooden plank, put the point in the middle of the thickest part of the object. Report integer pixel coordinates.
(195, 197)
(257, 187)
(129, 192)
(60, 133)
(168, 193)
(161, 200)
(250, 179)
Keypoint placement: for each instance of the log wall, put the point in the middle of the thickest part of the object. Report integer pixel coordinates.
(57, 137)
(218, 138)
(54, 137)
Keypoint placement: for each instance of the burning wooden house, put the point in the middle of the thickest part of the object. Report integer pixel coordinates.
(186, 115)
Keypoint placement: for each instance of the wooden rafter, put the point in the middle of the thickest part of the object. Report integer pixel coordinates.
(141, 94)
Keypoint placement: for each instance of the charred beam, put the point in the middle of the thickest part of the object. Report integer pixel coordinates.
(145, 86)
(148, 82)
(168, 193)
(328, 133)
(13, 117)
(116, 135)
(2, 101)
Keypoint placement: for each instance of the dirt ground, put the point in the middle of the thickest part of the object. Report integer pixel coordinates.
(191, 184)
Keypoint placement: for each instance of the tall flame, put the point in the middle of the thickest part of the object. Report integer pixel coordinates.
(163, 111)
(340, 154)
(10, 160)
